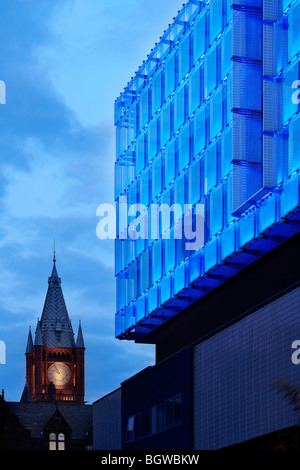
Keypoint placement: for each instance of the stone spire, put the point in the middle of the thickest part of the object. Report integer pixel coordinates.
(55, 325)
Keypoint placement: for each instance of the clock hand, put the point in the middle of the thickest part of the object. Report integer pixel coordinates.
(56, 369)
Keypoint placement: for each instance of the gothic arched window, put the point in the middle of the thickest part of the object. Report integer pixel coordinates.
(56, 441)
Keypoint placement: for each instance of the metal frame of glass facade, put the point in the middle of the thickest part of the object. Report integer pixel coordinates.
(207, 120)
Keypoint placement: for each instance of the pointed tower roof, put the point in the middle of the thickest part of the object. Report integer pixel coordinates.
(38, 340)
(29, 347)
(79, 341)
(26, 395)
(55, 325)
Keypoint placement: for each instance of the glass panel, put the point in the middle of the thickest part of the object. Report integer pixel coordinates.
(229, 97)
(118, 180)
(294, 31)
(52, 436)
(144, 272)
(215, 13)
(290, 104)
(156, 261)
(179, 276)
(152, 140)
(179, 108)
(170, 75)
(267, 214)
(226, 153)
(194, 90)
(229, 11)
(118, 255)
(144, 189)
(140, 154)
(210, 168)
(121, 138)
(140, 308)
(144, 109)
(226, 53)
(210, 257)
(179, 195)
(289, 195)
(165, 222)
(165, 124)
(156, 177)
(169, 249)
(228, 241)
(121, 293)
(184, 148)
(156, 93)
(246, 228)
(199, 37)
(184, 58)
(127, 175)
(61, 446)
(194, 183)
(230, 217)
(165, 289)
(294, 145)
(216, 108)
(132, 283)
(152, 296)
(131, 125)
(52, 445)
(170, 160)
(127, 252)
(216, 211)
(199, 131)
(210, 72)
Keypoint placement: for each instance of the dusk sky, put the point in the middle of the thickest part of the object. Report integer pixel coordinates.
(64, 62)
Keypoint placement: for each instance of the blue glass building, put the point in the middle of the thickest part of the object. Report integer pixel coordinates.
(210, 119)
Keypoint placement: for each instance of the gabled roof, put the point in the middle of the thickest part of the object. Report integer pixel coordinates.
(36, 416)
(54, 329)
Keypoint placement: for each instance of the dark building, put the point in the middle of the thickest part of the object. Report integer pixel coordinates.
(107, 433)
(157, 405)
(224, 367)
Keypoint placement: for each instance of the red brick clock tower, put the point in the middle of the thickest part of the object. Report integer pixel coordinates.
(54, 361)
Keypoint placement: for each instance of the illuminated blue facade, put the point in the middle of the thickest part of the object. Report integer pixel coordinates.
(210, 119)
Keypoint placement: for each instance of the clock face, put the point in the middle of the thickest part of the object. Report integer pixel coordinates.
(59, 374)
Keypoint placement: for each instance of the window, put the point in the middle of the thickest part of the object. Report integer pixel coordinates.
(160, 417)
(56, 441)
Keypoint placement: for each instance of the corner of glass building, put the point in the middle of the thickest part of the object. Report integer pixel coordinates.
(207, 156)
